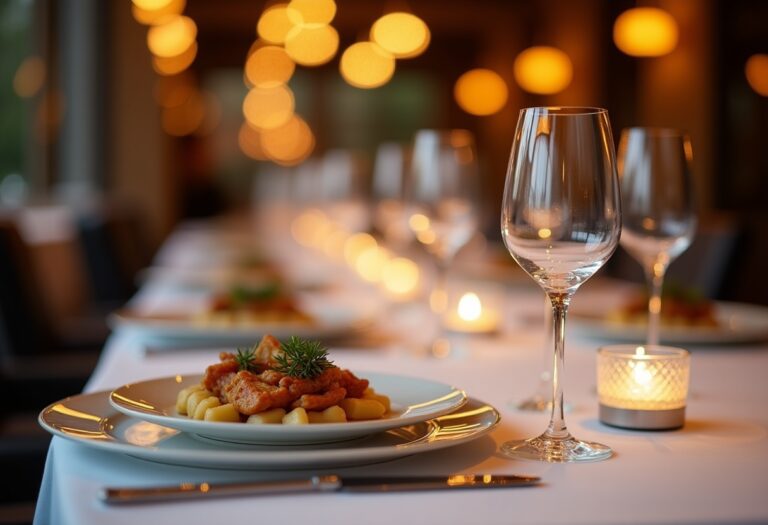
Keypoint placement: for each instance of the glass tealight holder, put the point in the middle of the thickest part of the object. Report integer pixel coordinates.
(643, 387)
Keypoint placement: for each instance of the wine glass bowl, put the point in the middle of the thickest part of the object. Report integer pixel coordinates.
(658, 205)
(561, 221)
(443, 192)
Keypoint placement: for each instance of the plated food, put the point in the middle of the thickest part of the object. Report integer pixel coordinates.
(292, 383)
(413, 400)
(267, 303)
(736, 323)
(680, 307)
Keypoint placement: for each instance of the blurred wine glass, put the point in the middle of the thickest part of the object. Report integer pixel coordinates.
(390, 173)
(442, 194)
(560, 221)
(657, 201)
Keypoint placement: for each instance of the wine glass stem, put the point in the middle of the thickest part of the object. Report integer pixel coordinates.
(654, 274)
(438, 300)
(560, 302)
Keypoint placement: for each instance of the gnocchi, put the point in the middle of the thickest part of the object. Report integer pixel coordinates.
(297, 416)
(203, 406)
(183, 395)
(334, 414)
(384, 400)
(195, 398)
(224, 413)
(268, 417)
(360, 409)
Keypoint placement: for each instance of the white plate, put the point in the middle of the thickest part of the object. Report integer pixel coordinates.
(738, 323)
(413, 400)
(89, 419)
(331, 322)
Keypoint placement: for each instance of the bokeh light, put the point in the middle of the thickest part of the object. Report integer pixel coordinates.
(756, 70)
(402, 34)
(356, 244)
(173, 37)
(29, 77)
(268, 66)
(311, 11)
(645, 32)
(400, 276)
(470, 308)
(543, 70)
(312, 44)
(177, 64)
(268, 108)
(274, 24)
(151, 5)
(371, 262)
(366, 65)
(481, 92)
(311, 227)
(153, 16)
(289, 144)
(249, 140)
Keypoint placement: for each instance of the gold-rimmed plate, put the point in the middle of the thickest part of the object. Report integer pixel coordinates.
(91, 420)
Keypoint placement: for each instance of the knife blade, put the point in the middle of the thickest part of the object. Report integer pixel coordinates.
(331, 483)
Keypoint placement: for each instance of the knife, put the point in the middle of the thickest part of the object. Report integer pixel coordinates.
(330, 483)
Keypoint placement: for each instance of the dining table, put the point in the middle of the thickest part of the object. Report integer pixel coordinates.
(712, 470)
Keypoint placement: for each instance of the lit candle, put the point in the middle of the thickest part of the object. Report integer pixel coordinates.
(470, 316)
(643, 387)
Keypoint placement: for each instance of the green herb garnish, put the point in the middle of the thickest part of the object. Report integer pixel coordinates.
(302, 358)
(244, 294)
(244, 359)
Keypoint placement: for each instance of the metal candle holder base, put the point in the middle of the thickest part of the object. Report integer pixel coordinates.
(643, 419)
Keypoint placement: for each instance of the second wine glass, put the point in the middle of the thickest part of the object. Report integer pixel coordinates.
(561, 221)
(657, 199)
(442, 197)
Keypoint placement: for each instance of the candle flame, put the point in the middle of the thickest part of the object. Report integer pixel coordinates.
(639, 351)
(641, 374)
(470, 308)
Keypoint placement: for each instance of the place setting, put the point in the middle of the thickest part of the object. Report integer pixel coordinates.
(176, 420)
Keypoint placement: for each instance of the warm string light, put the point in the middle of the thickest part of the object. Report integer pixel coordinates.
(645, 32)
(289, 34)
(371, 64)
(366, 65)
(172, 40)
(756, 71)
(543, 70)
(481, 92)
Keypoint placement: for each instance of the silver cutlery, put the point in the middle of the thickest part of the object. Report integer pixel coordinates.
(331, 483)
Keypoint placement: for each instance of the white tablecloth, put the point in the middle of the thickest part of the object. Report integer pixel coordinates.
(714, 470)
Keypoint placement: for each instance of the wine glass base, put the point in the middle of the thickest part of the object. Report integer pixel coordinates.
(556, 450)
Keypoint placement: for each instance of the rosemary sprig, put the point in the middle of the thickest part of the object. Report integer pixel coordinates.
(245, 294)
(302, 358)
(244, 359)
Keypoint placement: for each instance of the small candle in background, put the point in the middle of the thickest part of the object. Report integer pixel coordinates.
(470, 315)
(643, 387)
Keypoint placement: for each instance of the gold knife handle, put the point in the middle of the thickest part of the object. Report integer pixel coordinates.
(207, 490)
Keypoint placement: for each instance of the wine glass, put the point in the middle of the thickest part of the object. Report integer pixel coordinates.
(561, 221)
(442, 193)
(657, 200)
(390, 175)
